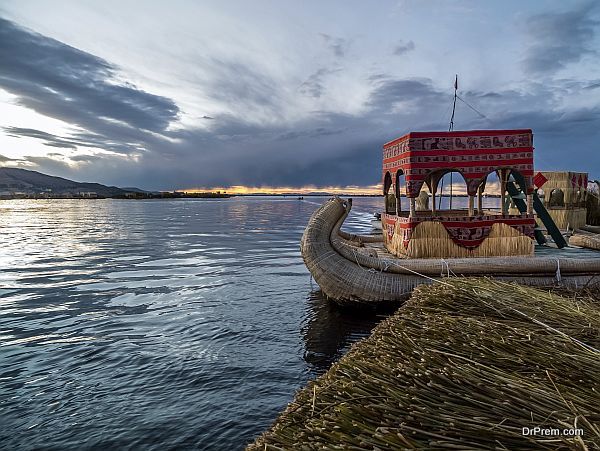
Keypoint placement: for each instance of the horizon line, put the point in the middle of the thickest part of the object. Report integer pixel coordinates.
(242, 189)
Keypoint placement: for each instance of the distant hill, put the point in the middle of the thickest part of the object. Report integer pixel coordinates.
(32, 182)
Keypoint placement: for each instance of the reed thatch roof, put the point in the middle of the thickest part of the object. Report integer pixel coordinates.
(465, 364)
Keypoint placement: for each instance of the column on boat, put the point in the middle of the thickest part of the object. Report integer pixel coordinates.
(432, 183)
(503, 176)
(397, 192)
(480, 197)
(471, 205)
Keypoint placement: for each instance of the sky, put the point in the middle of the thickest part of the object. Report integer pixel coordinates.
(192, 95)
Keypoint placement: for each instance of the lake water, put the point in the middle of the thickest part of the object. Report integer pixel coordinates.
(160, 324)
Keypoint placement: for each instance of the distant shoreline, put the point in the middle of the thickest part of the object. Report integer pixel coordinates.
(151, 196)
(128, 196)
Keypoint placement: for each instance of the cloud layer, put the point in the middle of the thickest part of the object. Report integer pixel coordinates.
(280, 130)
(559, 39)
(64, 83)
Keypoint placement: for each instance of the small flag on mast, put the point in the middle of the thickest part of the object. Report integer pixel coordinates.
(456, 82)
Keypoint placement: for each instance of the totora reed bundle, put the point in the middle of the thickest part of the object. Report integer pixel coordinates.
(585, 239)
(465, 364)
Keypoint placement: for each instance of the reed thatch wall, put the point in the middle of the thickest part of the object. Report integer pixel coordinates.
(430, 240)
(465, 364)
(568, 218)
(574, 196)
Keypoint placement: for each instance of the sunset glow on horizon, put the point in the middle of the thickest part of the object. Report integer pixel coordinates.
(240, 189)
(458, 188)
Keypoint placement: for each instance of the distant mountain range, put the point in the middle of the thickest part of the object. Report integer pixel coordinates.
(21, 181)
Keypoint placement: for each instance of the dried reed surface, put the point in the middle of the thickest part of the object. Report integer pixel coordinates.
(431, 240)
(573, 195)
(585, 239)
(568, 218)
(465, 364)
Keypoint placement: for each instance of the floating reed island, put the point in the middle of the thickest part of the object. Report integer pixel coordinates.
(464, 364)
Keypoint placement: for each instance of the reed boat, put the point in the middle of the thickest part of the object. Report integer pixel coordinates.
(353, 269)
(425, 244)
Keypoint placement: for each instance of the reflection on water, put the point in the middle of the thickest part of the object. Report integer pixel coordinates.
(160, 323)
(331, 330)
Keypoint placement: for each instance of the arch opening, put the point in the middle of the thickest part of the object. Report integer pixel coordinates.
(390, 196)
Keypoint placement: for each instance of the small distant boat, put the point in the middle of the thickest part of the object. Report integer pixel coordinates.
(300, 197)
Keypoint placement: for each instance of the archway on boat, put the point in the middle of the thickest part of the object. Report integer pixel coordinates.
(390, 197)
(445, 185)
(495, 185)
(556, 198)
(488, 193)
(522, 183)
(400, 190)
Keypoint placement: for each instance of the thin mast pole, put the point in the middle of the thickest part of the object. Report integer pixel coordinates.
(452, 128)
(454, 105)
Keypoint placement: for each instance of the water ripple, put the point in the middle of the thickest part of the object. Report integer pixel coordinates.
(159, 324)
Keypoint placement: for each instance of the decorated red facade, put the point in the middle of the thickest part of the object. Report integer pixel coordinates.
(474, 153)
(421, 159)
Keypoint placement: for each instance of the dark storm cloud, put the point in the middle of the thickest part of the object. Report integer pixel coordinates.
(558, 39)
(389, 92)
(48, 138)
(403, 47)
(564, 137)
(322, 148)
(75, 140)
(537, 107)
(315, 132)
(593, 85)
(51, 166)
(63, 82)
(325, 148)
(86, 158)
(244, 86)
(314, 85)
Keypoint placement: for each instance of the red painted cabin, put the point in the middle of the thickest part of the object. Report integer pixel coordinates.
(419, 160)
